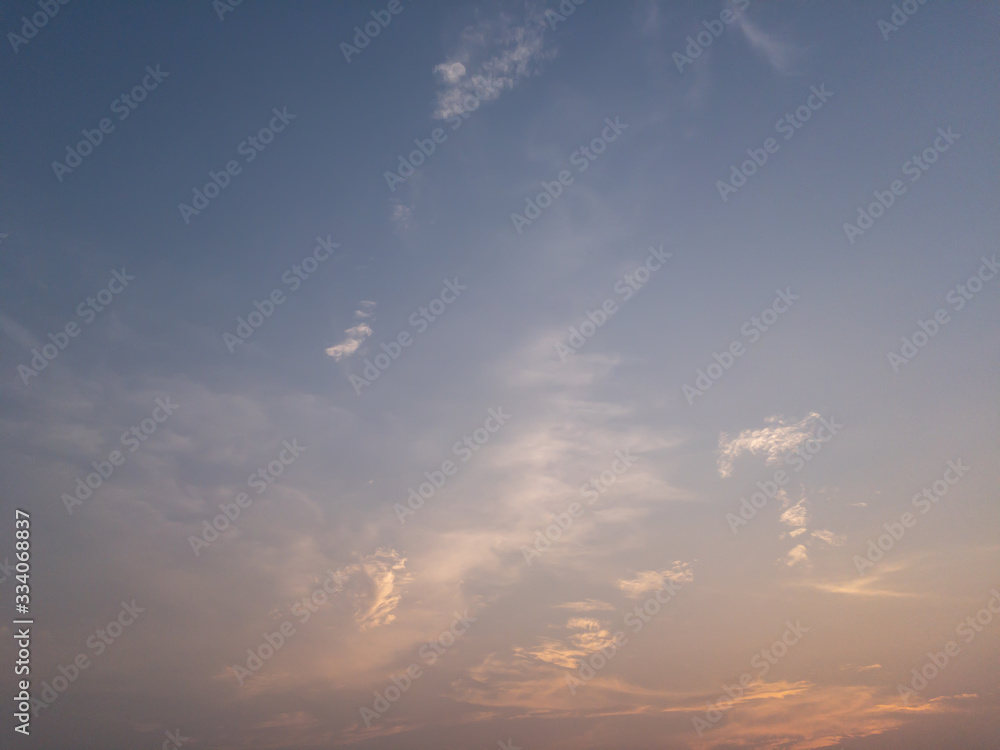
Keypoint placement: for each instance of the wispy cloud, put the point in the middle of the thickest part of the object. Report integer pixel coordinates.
(591, 605)
(796, 516)
(587, 636)
(492, 57)
(16, 332)
(798, 555)
(834, 540)
(781, 55)
(890, 581)
(652, 580)
(385, 571)
(355, 334)
(402, 216)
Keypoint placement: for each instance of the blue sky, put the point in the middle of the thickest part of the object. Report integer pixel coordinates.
(510, 96)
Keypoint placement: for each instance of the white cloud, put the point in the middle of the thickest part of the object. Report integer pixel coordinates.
(796, 556)
(493, 56)
(450, 72)
(796, 516)
(355, 334)
(773, 442)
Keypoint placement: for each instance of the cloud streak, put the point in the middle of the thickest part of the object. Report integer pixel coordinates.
(780, 55)
(492, 57)
(651, 580)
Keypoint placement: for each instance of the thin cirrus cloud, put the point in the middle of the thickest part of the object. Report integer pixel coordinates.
(829, 537)
(590, 605)
(781, 55)
(492, 57)
(533, 621)
(355, 334)
(648, 581)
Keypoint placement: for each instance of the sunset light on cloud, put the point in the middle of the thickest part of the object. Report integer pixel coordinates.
(508, 374)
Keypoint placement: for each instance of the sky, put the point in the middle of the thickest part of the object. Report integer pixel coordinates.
(500, 375)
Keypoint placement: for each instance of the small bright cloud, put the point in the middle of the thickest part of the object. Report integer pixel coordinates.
(773, 442)
(795, 516)
(355, 334)
(834, 540)
(450, 72)
(651, 580)
(797, 556)
(376, 601)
